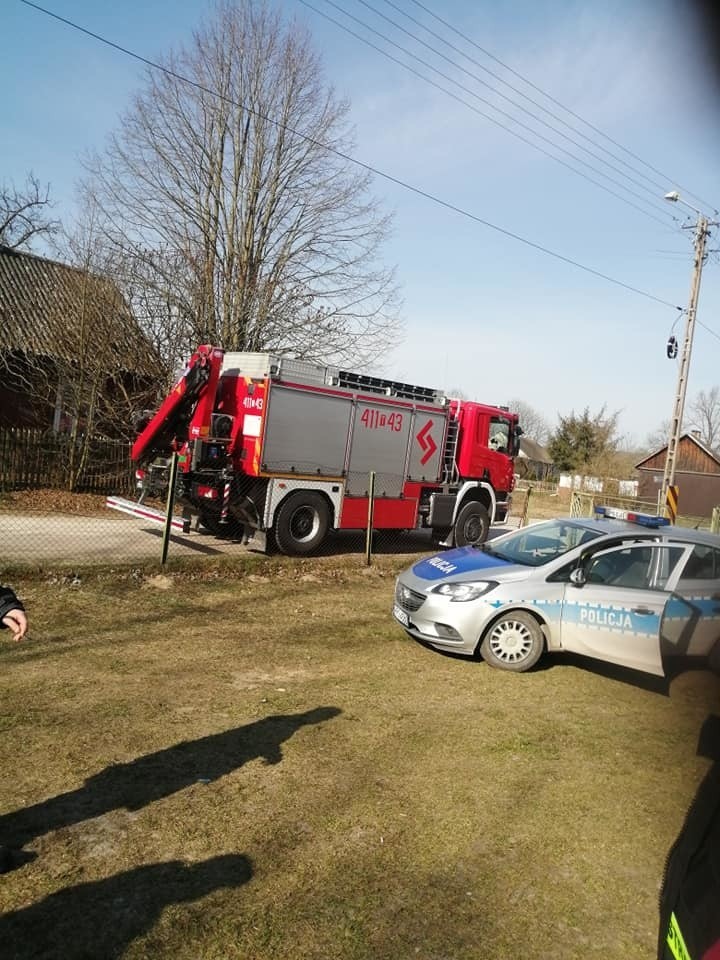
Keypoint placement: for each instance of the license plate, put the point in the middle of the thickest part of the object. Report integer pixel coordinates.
(401, 616)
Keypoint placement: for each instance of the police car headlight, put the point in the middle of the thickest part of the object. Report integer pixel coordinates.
(465, 591)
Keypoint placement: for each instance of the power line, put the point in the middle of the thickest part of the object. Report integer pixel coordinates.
(492, 106)
(706, 327)
(652, 190)
(365, 166)
(656, 184)
(557, 103)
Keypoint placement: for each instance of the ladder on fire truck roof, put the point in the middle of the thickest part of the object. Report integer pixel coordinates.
(389, 388)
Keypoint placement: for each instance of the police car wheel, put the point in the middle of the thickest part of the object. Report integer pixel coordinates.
(514, 642)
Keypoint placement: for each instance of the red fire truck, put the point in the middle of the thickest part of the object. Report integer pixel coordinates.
(286, 447)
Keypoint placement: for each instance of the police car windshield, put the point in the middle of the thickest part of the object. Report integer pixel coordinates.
(533, 546)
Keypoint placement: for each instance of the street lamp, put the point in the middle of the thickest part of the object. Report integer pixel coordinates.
(701, 233)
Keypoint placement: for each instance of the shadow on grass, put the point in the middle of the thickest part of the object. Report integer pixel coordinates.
(101, 918)
(674, 667)
(612, 671)
(154, 776)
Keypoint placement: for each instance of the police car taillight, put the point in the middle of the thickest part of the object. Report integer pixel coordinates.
(644, 519)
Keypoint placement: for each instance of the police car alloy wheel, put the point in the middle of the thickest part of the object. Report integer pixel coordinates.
(514, 642)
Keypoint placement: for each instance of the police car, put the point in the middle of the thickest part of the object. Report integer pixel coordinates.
(623, 587)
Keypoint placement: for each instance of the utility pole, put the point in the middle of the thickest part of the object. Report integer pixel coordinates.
(701, 234)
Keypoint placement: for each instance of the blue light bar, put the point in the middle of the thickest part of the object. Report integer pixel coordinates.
(644, 519)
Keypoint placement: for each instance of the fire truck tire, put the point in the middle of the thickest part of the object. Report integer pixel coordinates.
(301, 523)
(472, 525)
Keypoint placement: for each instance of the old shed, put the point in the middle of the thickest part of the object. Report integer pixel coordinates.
(697, 476)
(71, 350)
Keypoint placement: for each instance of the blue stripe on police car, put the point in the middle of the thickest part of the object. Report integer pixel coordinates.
(459, 561)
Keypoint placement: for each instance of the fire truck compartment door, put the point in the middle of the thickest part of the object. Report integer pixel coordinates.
(305, 432)
(426, 446)
(385, 439)
(379, 442)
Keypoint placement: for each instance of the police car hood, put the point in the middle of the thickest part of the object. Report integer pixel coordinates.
(469, 563)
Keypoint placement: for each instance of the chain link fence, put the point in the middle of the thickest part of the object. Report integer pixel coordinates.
(73, 509)
(101, 521)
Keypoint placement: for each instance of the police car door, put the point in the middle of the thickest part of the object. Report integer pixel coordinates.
(614, 604)
(692, 617)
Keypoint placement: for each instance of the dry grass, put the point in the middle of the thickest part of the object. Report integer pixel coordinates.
(251, 761)
(44, 501)
(541, 506)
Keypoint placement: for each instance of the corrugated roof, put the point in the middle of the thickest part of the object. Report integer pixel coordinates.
(534, 451)
(50, 309)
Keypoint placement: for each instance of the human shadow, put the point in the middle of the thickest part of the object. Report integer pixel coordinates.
(102, 917)
(154, 776)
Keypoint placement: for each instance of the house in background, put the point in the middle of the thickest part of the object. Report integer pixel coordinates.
(697, 476)
(70, 349)
(533, 461)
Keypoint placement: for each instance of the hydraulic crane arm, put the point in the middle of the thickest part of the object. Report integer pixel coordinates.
(187, 409)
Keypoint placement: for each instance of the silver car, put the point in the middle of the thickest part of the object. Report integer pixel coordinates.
(622, 587)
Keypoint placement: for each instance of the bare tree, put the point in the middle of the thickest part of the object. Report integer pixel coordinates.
(534, 425)
(704, 416)
(242, 221)
(659, 437)
(25, 213)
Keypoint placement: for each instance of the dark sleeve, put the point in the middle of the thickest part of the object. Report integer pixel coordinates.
(8, 602)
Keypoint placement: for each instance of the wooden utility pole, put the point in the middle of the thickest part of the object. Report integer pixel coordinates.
(701, 233)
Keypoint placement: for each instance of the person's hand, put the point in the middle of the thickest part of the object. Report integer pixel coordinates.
(17, 624)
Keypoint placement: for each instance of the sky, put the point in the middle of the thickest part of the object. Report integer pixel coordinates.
(484, 313)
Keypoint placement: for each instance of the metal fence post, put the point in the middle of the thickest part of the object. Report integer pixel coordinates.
(371, 510)
(170, 506)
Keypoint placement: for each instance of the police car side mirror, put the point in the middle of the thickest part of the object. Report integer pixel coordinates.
(577, 577)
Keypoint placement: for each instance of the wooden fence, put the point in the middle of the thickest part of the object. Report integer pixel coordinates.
(32, 459)
(583, 505)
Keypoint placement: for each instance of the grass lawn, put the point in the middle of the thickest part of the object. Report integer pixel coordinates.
(250, 760)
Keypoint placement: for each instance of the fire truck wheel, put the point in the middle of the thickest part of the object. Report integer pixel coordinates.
(301, 522)
(472, 525)
(514, 642)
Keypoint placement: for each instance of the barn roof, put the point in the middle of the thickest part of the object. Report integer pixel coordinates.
(656, 459)
(50, 309)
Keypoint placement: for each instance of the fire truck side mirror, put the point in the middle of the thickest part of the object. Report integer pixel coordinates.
(517, 433)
